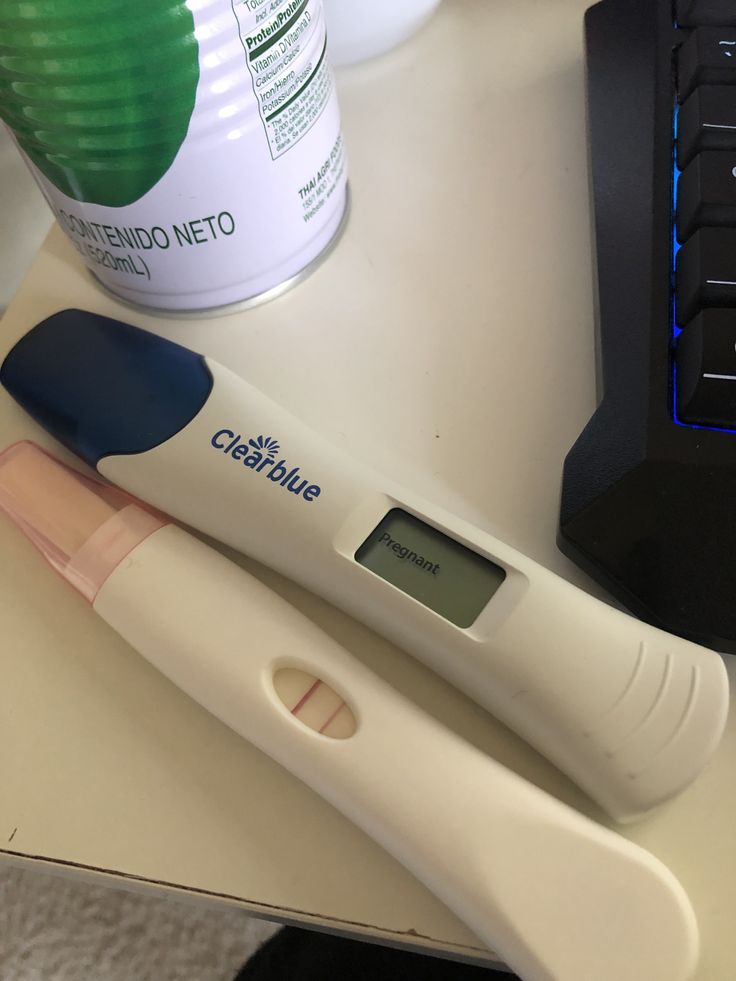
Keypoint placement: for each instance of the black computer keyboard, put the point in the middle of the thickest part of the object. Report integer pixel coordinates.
(649, 488)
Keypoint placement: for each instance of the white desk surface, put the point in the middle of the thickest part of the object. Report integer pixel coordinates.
(448, 339)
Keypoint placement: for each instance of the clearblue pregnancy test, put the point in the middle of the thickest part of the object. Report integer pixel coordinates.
(631, 713)
(554, 893)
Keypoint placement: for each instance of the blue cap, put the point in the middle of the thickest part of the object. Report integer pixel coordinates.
(103, 387)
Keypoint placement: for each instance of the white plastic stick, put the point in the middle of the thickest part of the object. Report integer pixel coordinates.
(560, 898)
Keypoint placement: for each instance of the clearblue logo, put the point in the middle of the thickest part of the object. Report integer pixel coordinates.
(259, 454)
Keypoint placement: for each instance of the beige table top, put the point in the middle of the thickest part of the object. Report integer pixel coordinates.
(449, 340)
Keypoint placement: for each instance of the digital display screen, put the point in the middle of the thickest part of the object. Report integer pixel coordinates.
(431, 567)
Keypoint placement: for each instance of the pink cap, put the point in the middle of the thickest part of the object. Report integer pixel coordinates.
(83, 528)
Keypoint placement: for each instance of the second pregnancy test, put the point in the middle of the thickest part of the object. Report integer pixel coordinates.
(629, 712)
(554, 893)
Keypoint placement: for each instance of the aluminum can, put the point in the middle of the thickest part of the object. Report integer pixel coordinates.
(190, 149)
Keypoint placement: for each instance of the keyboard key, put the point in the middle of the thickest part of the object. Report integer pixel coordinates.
(707, 121)
(708, 57)
(706, 370)
(706, 193)
(697, 13)
(706, 272)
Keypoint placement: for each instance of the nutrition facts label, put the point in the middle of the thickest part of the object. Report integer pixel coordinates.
(285, 54)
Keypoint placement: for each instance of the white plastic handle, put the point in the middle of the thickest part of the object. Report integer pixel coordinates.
(630, 712)
(560, 898)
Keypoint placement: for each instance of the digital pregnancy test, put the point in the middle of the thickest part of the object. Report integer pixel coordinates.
(550, 890)
(630, 713)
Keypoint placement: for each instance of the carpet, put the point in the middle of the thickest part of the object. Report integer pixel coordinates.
(59, 929)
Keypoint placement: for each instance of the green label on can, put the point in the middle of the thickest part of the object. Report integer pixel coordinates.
(99, 93)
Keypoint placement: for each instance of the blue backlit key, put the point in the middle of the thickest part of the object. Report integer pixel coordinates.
(706, 370)
(708, 57)
(706, 272)
(707, 121)
(706, 193)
